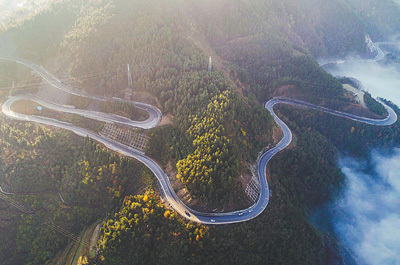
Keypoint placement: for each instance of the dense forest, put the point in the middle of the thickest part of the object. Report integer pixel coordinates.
(36, 164)
(355, 138)
(380, 17)
(156, 229)
(259, 49)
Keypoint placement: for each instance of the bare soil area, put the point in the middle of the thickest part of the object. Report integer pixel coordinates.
(166, 120)
(357, 94)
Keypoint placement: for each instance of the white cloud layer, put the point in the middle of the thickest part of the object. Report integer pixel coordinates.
(367, 217)
(378, 79)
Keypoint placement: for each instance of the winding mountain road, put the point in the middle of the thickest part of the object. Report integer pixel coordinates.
(380, 54)
(153, 112)
(149, 123)
(170, 195)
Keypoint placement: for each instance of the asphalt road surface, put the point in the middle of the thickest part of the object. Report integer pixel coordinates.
(169, 193)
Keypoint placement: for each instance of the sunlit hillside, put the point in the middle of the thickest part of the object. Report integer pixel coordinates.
(184, 131)
(17, 9)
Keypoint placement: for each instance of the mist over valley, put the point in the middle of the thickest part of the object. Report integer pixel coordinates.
(199, 132)
(366, 216)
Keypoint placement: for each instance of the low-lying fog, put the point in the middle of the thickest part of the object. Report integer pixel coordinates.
(378, 78)
(8, 8)
(367, 216)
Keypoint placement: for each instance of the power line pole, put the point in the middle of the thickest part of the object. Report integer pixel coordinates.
(130, 83)
(13, 84)
(210, 65)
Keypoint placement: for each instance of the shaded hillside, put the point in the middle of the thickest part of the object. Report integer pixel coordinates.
(323, 27)
(381, 17)
(261, 49)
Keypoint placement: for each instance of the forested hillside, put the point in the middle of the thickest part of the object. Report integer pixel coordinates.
(320, 26)
(37, 163)
(167, 47)
(381, 17)
(259, 49)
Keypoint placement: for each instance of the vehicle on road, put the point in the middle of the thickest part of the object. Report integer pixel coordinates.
(170, 195)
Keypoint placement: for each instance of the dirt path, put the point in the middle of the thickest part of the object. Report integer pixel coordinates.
(94, 239)
(217, 61)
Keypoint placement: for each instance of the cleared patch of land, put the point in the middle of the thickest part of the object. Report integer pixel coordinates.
(166, 120)
(76, 249)
(358, 94)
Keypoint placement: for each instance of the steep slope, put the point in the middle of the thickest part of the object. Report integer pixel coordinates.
(381, 17)
(262, 49)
